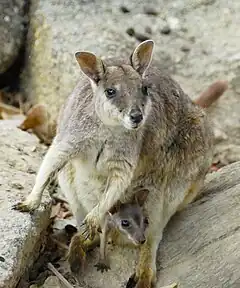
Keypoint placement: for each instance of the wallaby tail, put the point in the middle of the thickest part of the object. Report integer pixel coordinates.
(211, 94)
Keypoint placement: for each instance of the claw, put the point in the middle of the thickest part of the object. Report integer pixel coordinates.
(83, 223)
(132, 281)
(20, 206)
(87, 237)
(85, 232)
(102, 266)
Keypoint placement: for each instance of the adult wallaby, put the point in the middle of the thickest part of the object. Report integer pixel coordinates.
(126, 125)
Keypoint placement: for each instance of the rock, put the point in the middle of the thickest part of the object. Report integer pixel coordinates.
(148, 30)
(150, 11)
(11, 31)
(141, 37)
(200, 246)
(185, 48)
(173, 23)
(21, 234)
(166, 30)
(124, 9)
(130, 32)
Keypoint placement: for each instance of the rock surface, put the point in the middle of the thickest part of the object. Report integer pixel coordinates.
(21, 234)
(60, 28)
(200, 246)
(11, 31)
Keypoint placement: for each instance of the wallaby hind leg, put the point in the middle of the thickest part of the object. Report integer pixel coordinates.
(78, 249)
(191, 194)
(145, 275)
(55, 158)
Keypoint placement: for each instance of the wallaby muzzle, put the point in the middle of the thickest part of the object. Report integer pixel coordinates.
(136, 116)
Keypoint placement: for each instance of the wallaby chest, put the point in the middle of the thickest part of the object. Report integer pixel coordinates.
(92, 167)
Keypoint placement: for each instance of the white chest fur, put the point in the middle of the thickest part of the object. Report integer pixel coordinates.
(90, 178)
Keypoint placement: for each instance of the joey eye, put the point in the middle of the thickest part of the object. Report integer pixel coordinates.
(145, 90)
(110, 92)
(125, 223)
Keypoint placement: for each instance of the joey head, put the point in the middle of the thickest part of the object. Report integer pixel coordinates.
(124, 223)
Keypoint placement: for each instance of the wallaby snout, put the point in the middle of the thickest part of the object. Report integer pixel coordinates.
(136, 116)
(141, 239)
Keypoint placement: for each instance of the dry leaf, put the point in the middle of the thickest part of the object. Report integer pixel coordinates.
(63, 214)
(55, 210)
(214, 168)
(52, 282)
(39, 121)
(66, 214)
(6, 111)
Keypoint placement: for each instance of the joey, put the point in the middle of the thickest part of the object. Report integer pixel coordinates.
(124, 223)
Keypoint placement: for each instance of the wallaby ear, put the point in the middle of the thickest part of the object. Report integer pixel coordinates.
(90, 65)
(142, 56)
(141, 196)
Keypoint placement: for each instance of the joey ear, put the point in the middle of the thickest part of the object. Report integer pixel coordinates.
(115, 208)
(90, 65)
(141, 196)
(142, 56)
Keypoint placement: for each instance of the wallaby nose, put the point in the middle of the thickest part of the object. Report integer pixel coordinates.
(136, 116)
(142, 241)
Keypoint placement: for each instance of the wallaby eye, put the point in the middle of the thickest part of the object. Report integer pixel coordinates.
(125, 223)
(110, 92)
(145, 90)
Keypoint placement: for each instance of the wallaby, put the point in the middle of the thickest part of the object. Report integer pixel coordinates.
(124, 224)
(127, 124)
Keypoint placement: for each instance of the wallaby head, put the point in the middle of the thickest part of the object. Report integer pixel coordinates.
(120, 92)
(129, 218)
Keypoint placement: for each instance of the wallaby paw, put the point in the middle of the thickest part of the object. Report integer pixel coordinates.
(25, 206)
(91, 226)
(102, 266)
